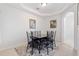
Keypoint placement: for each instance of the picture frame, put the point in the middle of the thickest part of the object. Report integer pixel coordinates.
(32, 23)
(53, 23)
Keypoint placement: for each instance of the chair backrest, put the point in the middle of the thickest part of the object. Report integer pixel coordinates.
(33, 33)
(49, 34)
(28, 36)
(38, 33)
(54, 35)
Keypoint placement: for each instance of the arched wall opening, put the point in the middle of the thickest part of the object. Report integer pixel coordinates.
(69, 29)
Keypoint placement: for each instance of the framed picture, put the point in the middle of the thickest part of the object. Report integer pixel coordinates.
(32, 23)
(53, 23)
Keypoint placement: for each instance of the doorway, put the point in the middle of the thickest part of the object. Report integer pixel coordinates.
(69, 29)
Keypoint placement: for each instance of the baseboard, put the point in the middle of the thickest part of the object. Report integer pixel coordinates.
(68, 45)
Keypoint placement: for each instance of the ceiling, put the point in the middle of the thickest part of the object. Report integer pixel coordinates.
(49, 9)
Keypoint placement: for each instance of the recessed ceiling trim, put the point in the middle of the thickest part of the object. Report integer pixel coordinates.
(30, 9)
(23, 7)
(43, 14)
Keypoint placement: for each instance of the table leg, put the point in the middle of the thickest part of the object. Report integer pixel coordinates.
(39, 48)
(32, 47)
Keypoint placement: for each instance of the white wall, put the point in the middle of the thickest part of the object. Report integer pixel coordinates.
(58, 28)
(13, 26)
(78, 28)
(15, 22)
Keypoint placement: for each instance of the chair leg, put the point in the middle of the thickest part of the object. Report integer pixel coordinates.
(39, 48)
(32, 51)
(52, 46)
(54, 43)
(27, 48)
(47, 51)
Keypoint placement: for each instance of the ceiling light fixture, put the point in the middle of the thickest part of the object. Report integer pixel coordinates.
(43, 4)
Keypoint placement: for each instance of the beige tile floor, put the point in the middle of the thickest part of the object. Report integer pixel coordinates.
(8, 52)
(61, 50)
(64, 50)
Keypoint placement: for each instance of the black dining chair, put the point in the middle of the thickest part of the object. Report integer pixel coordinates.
(48, 43)
(50, 35)
(35, 41)
(54, 42)
(29, 41)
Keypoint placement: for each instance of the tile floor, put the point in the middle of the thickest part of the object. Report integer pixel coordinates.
(60, 50)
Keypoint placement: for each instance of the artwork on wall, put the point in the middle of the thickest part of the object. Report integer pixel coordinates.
(53, 23)
(32, 23)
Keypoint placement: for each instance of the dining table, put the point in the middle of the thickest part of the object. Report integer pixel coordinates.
(39, 40)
